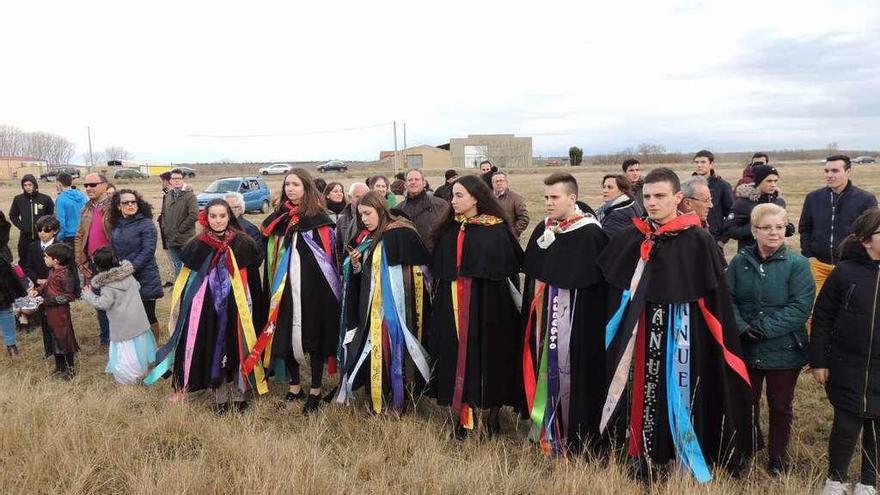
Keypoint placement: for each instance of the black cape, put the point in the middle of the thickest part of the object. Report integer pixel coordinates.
(684, 268)
(493, 375)
(320, 308)
(193, 256)
(570, 263)
(403, 247)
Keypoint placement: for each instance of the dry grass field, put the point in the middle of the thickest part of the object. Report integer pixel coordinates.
(93, 436)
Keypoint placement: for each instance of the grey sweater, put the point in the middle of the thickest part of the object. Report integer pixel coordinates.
(120, 297)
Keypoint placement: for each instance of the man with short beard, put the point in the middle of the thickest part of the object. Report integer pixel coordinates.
(347, 223)
(421, 207)
(93, 234)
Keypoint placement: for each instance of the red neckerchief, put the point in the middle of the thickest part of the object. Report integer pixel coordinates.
(558, 227)
(292, 214)
(679, 224)
(361, 236)
(219, 244)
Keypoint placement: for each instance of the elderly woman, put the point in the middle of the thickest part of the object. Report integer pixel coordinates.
(772, 290)
(133, 238)
(617, 211)
(379, 183)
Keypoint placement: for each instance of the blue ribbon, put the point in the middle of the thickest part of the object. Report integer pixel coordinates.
(614, 323)
(395, 334)
(678, 381)
(165, 355)
(346, 279)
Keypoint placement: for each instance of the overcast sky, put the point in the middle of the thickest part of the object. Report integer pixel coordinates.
(157, 77)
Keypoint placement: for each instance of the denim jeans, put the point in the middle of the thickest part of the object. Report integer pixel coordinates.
(7, 321)
(174, 257)
(104, 323)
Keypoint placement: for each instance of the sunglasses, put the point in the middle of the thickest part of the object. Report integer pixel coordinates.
(92, 184)
(47, 230)
(129, 203)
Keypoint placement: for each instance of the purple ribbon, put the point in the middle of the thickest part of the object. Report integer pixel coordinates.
(328, 267)
(219, 283)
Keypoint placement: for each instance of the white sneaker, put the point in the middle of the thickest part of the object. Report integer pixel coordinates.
(835, 488)
(861, 489)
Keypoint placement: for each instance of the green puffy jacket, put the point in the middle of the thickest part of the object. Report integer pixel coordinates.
(774, 297)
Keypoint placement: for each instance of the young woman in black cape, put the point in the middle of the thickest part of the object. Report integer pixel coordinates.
(475, 339)
(386, 302)
(303, 285)
(212, 330)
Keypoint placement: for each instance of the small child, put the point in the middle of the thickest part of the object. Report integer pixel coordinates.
(132, 344)
(10, 290)
(58, 292)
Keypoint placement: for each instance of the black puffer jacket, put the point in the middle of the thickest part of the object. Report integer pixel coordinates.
(28, 208)
(738, 224)
(827, 219)
(846, 333)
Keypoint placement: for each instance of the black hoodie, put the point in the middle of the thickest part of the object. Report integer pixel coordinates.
(28, 208)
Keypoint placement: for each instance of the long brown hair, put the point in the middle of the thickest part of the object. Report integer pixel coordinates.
(375, 200)
(486, 204)
(312, 202)
(863, 228)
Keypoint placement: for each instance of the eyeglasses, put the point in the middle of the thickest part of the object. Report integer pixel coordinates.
(129, 203)
(701, 200)
(771, 228)
(92, 184)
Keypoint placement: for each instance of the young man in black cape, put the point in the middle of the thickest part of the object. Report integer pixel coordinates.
(675, 328)
(565, 301)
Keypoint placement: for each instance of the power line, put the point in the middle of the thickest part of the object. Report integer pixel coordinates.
(288, 134)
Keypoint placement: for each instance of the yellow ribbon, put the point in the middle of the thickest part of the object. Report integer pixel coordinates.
(376, 332)
(247, 324)
(419, 284)
(176, 293)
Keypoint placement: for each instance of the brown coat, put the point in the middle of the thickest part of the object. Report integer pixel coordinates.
(515, 207)
(58, 292)
(81, 241)
(180, 211)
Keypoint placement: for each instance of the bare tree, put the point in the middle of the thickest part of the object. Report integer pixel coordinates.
(97, 158)
(117, 153)
(12, 141)
(832, 146)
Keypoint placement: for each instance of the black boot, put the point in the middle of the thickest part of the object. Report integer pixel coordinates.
(313, 402)
(60, 366)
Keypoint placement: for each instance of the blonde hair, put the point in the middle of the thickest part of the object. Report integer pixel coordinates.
(766, 209)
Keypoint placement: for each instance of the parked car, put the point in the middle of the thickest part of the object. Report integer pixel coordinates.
(276, 169)
(53, 173)
(186, 171)
(864, 159)
(333, 165)
(255, 191)
(130, 173)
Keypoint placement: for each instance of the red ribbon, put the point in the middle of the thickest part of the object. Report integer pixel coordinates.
(735, 362)
(680, 223)
(463, 285)
(638, 397)
(529, 375)
(290, 214)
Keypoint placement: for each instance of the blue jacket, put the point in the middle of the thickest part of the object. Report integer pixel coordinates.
(134, 239)
(827, 219)
(68, 206)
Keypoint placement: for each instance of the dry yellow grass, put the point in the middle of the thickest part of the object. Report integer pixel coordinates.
(93, 436)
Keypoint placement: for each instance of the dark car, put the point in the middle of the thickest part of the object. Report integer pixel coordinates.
(863, 159)
(129, 173)
(336, 165)
(53, 174)
(186, 171)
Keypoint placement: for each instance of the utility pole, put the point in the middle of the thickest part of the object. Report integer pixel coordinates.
(91, 157)
(405, 160)
(396, 167)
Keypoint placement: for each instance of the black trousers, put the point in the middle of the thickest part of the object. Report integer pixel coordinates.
(842, 443)
(150, 308)
(24, 242)
(316, 364)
